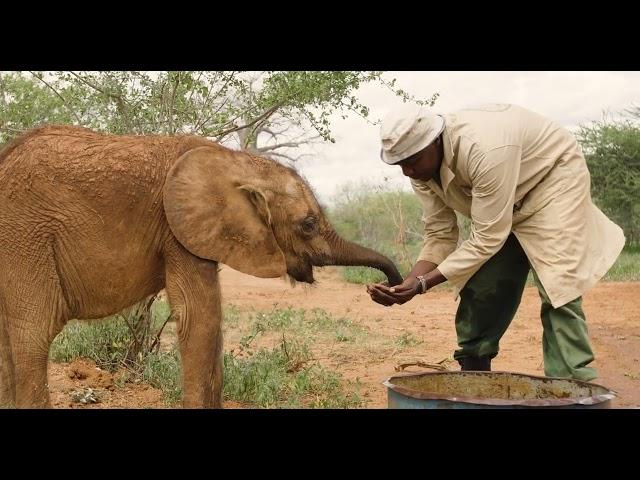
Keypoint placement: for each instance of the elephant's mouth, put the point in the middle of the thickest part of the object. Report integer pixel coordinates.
(302, 273)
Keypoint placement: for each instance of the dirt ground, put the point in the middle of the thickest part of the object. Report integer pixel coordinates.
(612, 309)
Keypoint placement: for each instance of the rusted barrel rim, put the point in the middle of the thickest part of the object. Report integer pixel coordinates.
(554, 402)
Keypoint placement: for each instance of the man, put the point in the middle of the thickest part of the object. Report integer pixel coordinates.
(524, 183)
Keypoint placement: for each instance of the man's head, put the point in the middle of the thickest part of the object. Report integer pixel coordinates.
(411, 138)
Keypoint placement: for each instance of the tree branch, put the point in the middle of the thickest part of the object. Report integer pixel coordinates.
(172, 100)
(64, 102)
(262, 117)
(275, 123)
(193, 89)
(270, 132)
(280, 145)
(201, 124)
(119, 100)
(349, 107)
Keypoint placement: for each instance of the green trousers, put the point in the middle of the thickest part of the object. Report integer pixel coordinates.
(489, 301)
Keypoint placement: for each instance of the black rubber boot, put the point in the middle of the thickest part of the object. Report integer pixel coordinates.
(477, 364)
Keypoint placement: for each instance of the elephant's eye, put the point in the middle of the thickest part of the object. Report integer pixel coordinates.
(308, 225)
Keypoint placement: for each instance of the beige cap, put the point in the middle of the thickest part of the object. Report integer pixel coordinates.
(407, 130)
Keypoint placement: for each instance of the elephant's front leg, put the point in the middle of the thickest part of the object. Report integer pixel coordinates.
(194, 295)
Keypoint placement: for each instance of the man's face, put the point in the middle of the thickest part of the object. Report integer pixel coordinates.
(423, 165)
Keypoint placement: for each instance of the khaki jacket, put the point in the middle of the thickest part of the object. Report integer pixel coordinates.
(512, 170)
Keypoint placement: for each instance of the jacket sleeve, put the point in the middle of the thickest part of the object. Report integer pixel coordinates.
(440, 225)
(494, 178)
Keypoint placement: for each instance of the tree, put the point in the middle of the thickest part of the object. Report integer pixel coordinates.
(270, 113)
(612, 150)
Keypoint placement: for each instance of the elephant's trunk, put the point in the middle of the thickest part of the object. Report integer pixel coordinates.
(348, 253)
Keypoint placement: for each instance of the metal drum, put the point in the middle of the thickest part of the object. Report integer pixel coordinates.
(438, 390)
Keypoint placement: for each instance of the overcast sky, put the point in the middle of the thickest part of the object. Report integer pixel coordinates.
(570, 98)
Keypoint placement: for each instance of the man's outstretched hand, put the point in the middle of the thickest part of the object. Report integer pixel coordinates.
(384, 295)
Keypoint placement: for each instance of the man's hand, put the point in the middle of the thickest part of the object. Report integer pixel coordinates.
(384, 295)
(406, 290)
(380, 294)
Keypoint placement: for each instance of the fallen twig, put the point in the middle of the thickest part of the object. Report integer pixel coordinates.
(435, 366)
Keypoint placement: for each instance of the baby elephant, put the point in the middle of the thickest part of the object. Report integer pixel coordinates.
(93, 223)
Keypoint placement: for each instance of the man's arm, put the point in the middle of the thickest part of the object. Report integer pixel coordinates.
(440, 239)
(440, 236)
(494, 177)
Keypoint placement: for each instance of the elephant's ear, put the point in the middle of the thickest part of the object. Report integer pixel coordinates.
(216, 213)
